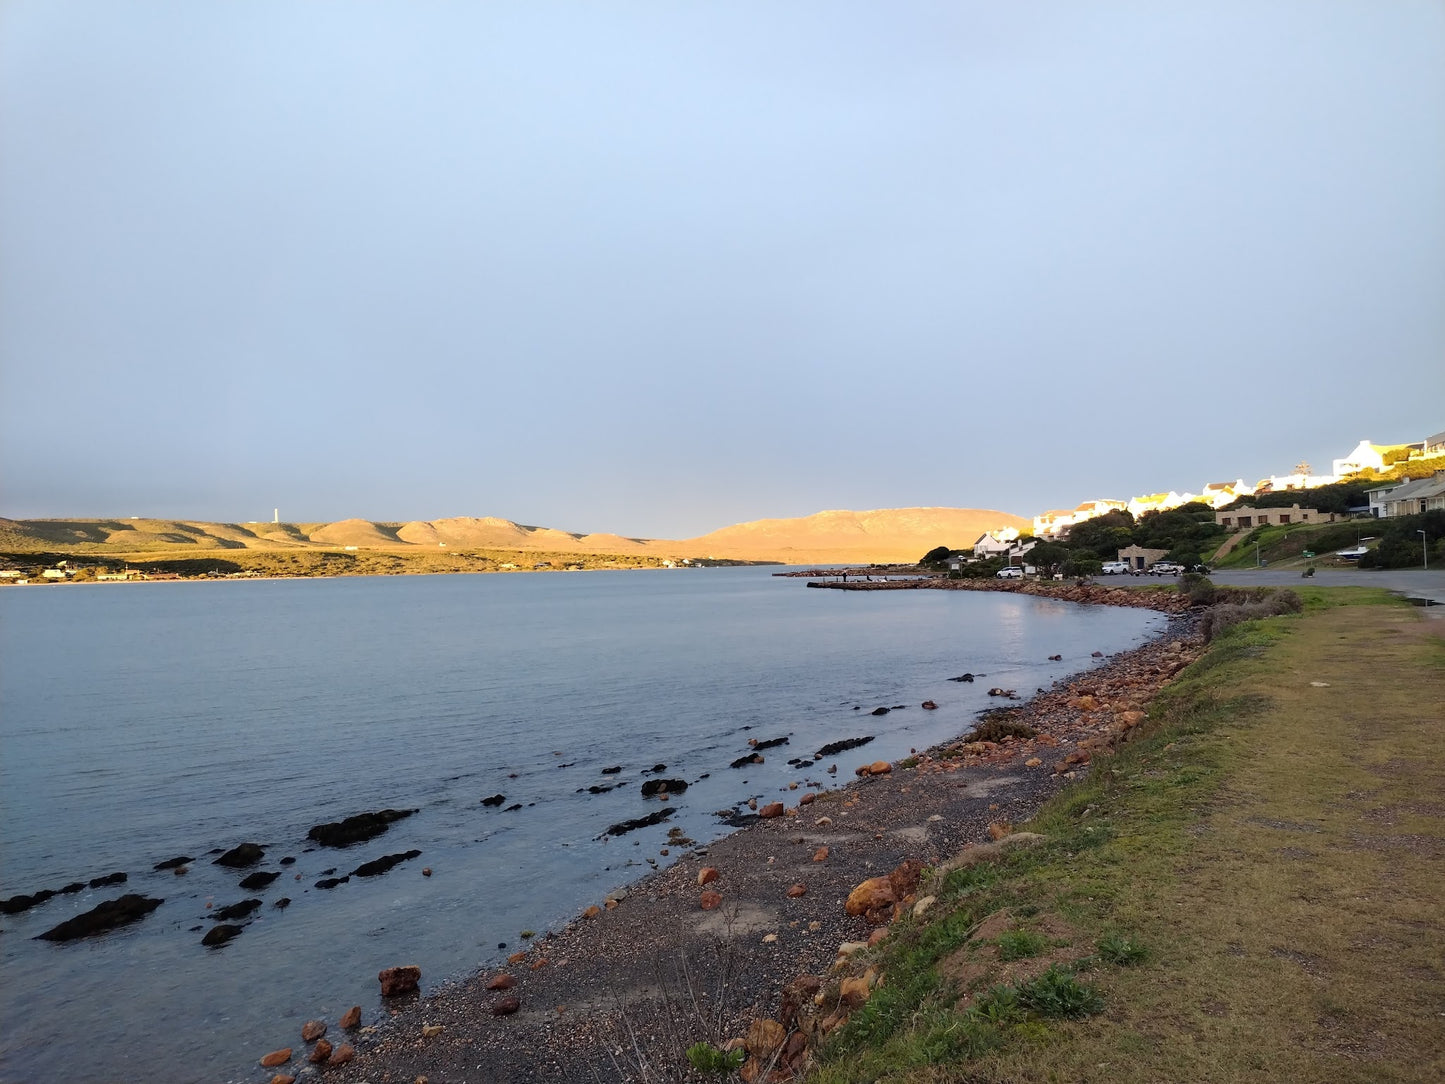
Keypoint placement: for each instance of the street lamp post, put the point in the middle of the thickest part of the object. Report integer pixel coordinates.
(1424, 548)
(1256, 555)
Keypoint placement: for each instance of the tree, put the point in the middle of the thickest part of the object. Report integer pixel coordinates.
(936, 556)
(1048, 558)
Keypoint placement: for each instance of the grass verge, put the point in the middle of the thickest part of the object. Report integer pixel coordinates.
(1250, 890)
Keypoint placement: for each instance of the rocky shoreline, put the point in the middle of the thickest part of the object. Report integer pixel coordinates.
(715, 945)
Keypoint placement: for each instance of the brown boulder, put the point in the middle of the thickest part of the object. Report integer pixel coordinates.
(772, 809)
(283, 1078)
(872, 894)
(399, 980)
(313, 1030)
(764, 1036)
(516, 958)
(880, 767)
(502, 982)
(854, 992)
(592, 912)
(710, 901)
(929, 705)
(275, 1058)
(351, 1018)
(797, 890)
(506, 1006)
(707, 875)
(904, 880)
(821, 854)
(341, 1055)
(319, 1053)
(807, 799)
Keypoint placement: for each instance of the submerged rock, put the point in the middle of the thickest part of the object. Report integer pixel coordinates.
(108, 879)
(357, 829)
(241, 856)
(743, 762)
(219, 935)
(879, 711)
(494, 800)
(769, 744)
(623, 827)
(612, 770)
(377, 866)
(16, 904)
(258, 880)
(236, 910)
(172, 863)
(663, 786)
(332, 882)
(962, 677)
(834, 748)
(103, 917)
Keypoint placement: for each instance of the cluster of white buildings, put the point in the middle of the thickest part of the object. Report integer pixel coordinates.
(1366, 456)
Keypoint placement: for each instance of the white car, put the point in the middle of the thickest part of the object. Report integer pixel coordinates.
(1115, 568)
(1013, 572)
(1165, 568)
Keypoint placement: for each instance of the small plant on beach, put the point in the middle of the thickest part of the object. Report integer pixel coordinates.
(997, 728)
(1057, 993)
(1122, 951)
(706, 1058)
(1020, 944)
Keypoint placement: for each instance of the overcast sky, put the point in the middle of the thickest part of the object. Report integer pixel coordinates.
(657, 268)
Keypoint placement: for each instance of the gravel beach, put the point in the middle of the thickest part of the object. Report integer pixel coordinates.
(621, 992)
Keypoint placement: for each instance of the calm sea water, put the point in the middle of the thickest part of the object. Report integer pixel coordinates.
(143, 721)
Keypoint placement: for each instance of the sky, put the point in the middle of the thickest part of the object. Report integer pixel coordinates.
(657, 268)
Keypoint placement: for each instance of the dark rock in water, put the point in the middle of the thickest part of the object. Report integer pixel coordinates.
(332, 882)
(108, 879)
(962, 677)
(253, 882)
(857, 708)
(377, 866)
(836, 747)
(241, 856)
(217, 936)
(104, 916)
(743, 762)
(735, 819)
(15, 904)
(513, 808)
(704, 775)
(668, 786)
(72, 888)
(172, 863)
(283, 902)
(357, 829)
(769, 744)
(494, 800)
(235, 910)
(899, 707)
(599, 790)
(658, 768)
(879, 711)
(612, 770)
(623, 827)
(328, 872)
(288, 861)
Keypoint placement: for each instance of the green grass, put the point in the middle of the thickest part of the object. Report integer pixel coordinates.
(1258, 874)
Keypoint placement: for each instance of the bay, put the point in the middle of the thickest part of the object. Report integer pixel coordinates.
(139, 722)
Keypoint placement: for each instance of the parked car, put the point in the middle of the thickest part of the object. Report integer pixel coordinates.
(1165, 568)
(1115, 568)
(1013, 572)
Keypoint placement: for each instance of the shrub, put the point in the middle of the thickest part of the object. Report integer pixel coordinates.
(1020, 944)
(706, 1058)
(1122, 951)
(999, 727)
(1200, 589)
(1057, 993)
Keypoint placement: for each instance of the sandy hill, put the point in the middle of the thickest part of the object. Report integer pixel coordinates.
(889, 534)
(838, 537)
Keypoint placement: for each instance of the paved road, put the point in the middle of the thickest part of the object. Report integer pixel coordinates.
(1412, 583)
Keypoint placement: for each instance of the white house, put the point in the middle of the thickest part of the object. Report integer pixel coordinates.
(996, 543)
(1412, 498)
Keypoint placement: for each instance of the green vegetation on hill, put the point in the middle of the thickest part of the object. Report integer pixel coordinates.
(1245, 891)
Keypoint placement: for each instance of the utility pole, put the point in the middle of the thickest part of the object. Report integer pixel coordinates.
(1424, 546)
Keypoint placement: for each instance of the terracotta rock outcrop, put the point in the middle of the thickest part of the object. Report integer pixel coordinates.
(399, 980)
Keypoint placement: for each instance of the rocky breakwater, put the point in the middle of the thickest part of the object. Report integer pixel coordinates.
(1085, 591)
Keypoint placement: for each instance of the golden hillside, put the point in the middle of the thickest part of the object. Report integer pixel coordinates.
(839, 537)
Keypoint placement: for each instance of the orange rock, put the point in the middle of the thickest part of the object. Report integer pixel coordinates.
(878, 935)
(772, 809)
(710, 901)
(341, 1055)
(275, 1058)
(506, 1006)
(797, 890)
(929, 705)
(351, 1017)
(821, 854)
(538, 964)
(807, 799)
(592, 912)
(399, 980)
(282, 1078)
(871, 894)
(854, 992)
(611, 905)
(319, 1053)
(516, 958)
(313, 1030)
(880, 767)
(502, 982)
(1032, 762)
(999, 829)
(707, 875)
(764, 1036)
